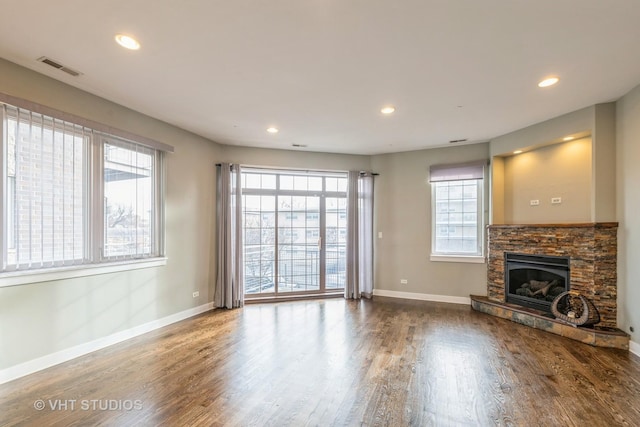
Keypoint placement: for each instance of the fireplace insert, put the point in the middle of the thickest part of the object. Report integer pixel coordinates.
(535, 280)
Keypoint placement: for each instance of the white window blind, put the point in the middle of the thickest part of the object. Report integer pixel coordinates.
(45, 190)
(457, 172)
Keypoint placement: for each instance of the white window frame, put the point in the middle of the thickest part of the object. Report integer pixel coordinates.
(94, 262)
(322, 193)
(99, 202)
(458, 173)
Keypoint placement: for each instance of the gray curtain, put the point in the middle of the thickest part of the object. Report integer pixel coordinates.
(229, 291)
(359, 236)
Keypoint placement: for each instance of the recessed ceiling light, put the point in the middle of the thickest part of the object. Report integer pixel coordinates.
(127, 42)
(550, 81)
(517, 152)
(568, 138)
(272, 130)
(388, 110)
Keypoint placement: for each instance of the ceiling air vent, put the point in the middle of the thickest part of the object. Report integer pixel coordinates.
(299, 145)
(59, 66)
(453, 141)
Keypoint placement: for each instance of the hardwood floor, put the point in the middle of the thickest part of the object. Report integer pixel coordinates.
(334, 362)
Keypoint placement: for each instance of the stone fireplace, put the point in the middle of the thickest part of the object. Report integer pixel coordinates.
(590, 250)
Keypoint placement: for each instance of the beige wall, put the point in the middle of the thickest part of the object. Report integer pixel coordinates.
(560, 170)
(403, 215)
(628, 208)
(42, 318)
(496, 195)
(295, 159)
(603, 190)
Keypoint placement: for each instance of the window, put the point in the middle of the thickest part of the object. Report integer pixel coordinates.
(294, 231)
(129, 200)
(457, 211)
(74, 196)
(45, 191)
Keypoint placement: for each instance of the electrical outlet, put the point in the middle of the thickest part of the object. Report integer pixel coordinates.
(196, 294)
(403, 281)
(379, 234)
(556, 200)
(534, 202)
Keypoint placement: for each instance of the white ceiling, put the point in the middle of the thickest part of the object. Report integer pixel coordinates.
(320, 70)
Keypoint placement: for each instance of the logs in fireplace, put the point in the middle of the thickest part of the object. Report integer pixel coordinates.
(535, 280)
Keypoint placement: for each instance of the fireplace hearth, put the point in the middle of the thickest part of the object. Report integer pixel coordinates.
(535, 280)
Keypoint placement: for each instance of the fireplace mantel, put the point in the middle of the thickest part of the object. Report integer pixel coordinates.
(591, 247)
(563, 225)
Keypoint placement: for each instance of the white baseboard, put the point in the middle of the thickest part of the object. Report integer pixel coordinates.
(422, 297)
(65, 355)
(634, 348)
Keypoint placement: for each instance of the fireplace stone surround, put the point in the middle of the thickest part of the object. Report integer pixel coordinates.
(591, 248)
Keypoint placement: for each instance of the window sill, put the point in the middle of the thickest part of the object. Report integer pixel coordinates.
(458, 258)
(16, 278)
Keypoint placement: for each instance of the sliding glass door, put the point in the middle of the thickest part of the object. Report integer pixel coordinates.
(299, 244)
(294, 232)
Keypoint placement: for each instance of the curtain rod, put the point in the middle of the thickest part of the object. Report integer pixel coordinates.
(285, 170)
